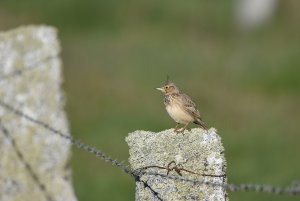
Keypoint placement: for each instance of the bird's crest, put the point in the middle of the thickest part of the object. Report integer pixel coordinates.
(168, 80)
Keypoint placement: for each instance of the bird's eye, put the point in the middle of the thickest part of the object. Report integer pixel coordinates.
(167, 87)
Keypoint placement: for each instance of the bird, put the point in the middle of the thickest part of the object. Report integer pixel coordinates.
(180, 107)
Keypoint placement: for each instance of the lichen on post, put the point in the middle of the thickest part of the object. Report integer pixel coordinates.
(198, 153)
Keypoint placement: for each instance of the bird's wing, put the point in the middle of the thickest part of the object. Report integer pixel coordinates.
(189, 106)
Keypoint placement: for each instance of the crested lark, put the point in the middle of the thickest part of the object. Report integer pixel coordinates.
(180, 107)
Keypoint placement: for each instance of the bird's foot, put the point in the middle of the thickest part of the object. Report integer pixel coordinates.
(180, 130)
(176, 127)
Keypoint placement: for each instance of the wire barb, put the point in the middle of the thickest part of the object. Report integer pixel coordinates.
(137, 178)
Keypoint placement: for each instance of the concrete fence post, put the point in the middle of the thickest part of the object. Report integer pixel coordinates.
(34, 163)
(198, 152)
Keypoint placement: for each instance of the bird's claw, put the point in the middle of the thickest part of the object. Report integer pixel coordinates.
(179, 131)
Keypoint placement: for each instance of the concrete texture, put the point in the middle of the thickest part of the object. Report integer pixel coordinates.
(30, 80)
(197, 150)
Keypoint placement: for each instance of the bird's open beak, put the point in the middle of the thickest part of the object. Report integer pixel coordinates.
(161, 89)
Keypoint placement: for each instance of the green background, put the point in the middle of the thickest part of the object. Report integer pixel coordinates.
(245, 83)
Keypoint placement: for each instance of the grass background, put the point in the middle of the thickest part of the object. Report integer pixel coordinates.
(246, 84)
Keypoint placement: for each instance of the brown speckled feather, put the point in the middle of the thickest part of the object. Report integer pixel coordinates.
(191, 108)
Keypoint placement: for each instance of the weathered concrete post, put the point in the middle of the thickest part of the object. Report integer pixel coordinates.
(197, 151)
(34, 163)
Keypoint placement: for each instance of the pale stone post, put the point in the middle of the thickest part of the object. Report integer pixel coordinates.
(198, 151)
(34, 163)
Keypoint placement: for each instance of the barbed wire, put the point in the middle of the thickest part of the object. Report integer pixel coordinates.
(91, 149)
(28, 167)
(67, 136)
(293, 189)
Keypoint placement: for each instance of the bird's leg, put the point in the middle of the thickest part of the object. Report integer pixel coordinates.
(176, 127)
(182, 130)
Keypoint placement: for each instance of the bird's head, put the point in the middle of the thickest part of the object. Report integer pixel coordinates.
(169, 88)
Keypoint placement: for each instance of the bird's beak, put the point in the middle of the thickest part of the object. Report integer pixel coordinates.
(161, 89)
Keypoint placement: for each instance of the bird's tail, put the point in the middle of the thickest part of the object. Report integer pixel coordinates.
(201, 123)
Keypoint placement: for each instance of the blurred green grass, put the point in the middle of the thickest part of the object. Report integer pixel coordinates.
(115, 53)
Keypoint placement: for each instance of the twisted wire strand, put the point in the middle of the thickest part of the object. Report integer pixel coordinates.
(98, 153)
(28, 167)
(293, 189)
(91, 149)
